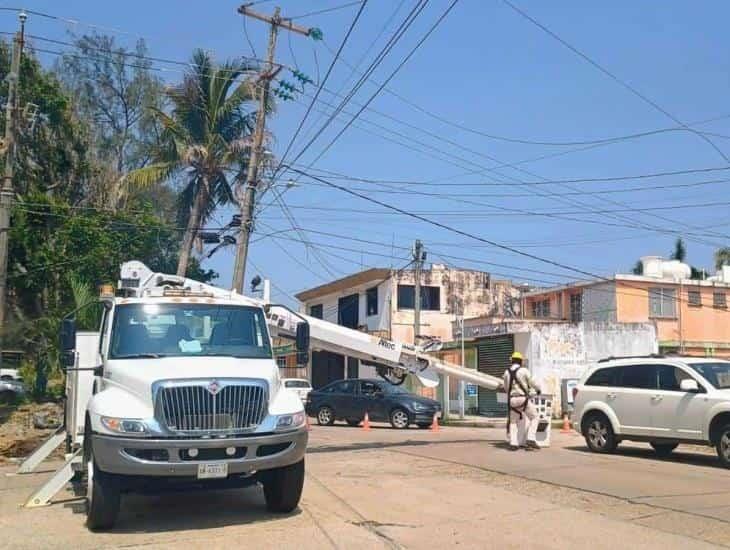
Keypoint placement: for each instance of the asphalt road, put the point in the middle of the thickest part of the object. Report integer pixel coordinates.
(418, 489)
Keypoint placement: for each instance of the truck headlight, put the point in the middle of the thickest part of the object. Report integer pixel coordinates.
(287, 421)
(123, 425)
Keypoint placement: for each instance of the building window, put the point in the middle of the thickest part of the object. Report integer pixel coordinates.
(576, 308)
(348, 309)
(719, 300)
(430, 297)
(281, 361)
(316, 311)
(541, 308)
(372, 300)
(662, 302)
(694, 298)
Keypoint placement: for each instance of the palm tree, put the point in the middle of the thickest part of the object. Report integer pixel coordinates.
(205, 139)
(722, 257)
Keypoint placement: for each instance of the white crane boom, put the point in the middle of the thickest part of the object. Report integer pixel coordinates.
(394, 360)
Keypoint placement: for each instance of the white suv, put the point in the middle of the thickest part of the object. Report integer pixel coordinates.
(664, 401)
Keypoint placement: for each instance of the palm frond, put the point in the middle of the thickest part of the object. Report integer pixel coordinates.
(150, 174)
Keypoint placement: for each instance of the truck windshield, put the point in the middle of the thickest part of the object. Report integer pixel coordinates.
(182, 330)
(716, 373)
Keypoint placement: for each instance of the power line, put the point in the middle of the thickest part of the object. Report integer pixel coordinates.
(324, 81)
(400, 31)
(613, 77)
(328, 10)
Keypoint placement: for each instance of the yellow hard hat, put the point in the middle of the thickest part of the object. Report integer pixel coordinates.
(517, 356)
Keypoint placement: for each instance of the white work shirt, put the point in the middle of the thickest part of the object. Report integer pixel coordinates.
(523, 376)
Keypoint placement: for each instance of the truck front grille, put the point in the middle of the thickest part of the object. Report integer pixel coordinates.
(211, 406)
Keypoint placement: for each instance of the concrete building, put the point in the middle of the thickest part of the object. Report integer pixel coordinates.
(380, 301)
(690, 316)
(554, 350)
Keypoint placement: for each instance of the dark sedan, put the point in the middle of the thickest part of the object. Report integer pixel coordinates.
(350, 399)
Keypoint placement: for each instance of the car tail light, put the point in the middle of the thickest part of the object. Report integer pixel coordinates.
(575, 393)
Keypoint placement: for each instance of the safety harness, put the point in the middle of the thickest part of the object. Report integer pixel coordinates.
(512, 381)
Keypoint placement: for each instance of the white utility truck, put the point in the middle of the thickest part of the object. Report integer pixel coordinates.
(180, 386)
(184, 388)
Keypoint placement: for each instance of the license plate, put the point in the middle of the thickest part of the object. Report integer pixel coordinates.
(210, 471)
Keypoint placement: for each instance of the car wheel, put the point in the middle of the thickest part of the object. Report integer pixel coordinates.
(399, 419)
(723, 445)
(599, 434)
(102, 496)
(283, 487)
(664, 449)
(353, 423)
(325, 416)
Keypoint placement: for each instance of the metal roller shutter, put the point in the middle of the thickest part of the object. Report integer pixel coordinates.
(493, 358)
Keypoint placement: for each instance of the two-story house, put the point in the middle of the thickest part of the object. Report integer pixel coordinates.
(381, 301)
(691, 316)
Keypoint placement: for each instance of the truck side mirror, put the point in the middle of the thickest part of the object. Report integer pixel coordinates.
(67, 342)
(302, 343)
(68, 335)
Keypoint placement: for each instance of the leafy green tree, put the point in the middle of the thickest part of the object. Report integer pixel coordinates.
(722, 257)
(115, 88)
(680, 250)
(204, 142)
(53, 144)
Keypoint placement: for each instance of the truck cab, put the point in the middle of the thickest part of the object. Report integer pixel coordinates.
(185, 390)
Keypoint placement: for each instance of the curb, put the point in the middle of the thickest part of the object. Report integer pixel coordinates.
(498, 423)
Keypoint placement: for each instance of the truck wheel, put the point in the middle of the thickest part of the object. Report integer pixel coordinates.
(325, 416)
(723, 445)
(599, 435)
(664, 449)
(283, 487)
(399, 419)
(102, 496)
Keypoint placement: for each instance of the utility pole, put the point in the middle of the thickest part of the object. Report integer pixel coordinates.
(418, 257)
(9, 146)
(265, 77)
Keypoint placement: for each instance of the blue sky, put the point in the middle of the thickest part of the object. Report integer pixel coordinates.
(491, 71)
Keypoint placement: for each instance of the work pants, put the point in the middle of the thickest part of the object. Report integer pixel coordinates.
(529, 414)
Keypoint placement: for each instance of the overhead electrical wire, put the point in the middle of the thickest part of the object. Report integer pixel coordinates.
(612, 76)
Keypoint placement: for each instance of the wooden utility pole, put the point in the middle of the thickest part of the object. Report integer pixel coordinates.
(9, 146)
(249, 200)
(418, 257)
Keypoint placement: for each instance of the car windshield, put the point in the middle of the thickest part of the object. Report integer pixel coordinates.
(182, 330)
(717, 373)
(296, 384)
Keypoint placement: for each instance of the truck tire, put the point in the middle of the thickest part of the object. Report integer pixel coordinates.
(723, 445)
(102, 496)
(664, 449)
(283, 487)
(598, 434)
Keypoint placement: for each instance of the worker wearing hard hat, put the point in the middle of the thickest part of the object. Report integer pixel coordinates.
(520, 386)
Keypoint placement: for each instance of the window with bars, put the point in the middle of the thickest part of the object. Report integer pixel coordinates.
(662, 302)
(719, 300)
(576, 307)
(694, 298)
(541, 308)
